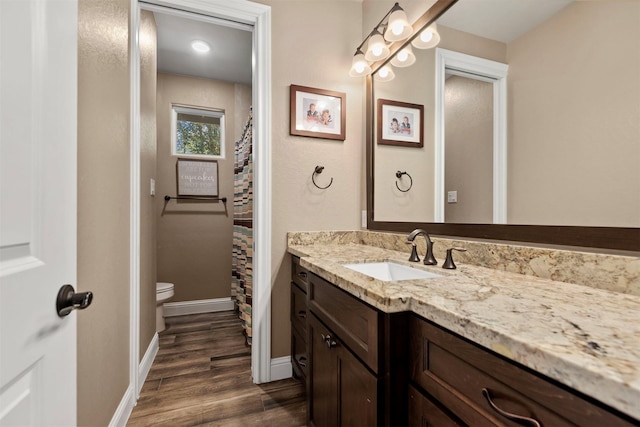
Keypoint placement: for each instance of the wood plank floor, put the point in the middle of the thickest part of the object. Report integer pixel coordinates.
(202, 377)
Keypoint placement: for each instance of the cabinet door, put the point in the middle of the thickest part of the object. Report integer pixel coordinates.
(323, 397)
(358, 392)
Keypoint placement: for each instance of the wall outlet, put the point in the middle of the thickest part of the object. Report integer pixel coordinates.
(452, 197)
(152, 187)
(364, 219)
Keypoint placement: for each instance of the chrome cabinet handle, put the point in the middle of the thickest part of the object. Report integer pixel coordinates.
(523, 421)
(68, 300)
(303, 274)
(302, 314)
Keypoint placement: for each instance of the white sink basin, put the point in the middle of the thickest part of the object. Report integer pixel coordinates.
(390, 271)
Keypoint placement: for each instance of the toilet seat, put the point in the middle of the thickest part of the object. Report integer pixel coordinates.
(164, 291)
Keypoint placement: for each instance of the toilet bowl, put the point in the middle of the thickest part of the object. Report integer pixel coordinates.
(164, 292)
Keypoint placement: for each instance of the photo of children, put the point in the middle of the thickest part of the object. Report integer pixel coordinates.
(317, 113)
(400, 123)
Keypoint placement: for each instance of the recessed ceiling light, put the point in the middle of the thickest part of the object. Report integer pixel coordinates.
(200, 46)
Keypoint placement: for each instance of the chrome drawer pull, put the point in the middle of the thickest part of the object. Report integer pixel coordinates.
(523, 421)
(302, 314)
(302, 274)
(302, 361)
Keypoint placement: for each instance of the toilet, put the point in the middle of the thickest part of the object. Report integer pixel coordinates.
(164, 292)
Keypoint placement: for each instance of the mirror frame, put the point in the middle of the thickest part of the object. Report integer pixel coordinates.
(618, 238)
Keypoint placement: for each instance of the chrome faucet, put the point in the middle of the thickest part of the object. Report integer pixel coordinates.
(429, 259)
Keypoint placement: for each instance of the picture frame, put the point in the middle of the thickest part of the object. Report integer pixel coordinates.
(197, 177)
(317, 113)
(400, 123)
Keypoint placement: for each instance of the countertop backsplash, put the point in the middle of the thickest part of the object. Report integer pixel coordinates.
(617, 273)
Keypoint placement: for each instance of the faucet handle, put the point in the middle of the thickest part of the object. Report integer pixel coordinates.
(429, 259)
(448, 262)
(414, 252)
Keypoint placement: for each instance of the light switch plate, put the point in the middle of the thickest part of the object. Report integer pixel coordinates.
(153, 187)
(452, 197)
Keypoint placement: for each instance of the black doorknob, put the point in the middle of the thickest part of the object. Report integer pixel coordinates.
(68, 300)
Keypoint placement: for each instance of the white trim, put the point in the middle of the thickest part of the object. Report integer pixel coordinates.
(281, 368)
(182, 308)
(262, 279)
(123, 411)
(259, 16)
(134, 211)
(485, 70)
(147, 361)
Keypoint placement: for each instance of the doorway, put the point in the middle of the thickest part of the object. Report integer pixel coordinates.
(489, 71)
(258, 17)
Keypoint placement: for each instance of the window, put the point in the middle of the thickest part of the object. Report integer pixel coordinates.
(197, 132)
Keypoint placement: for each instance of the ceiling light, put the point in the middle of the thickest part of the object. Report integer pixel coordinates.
(398, 27)
(200, 46)
(404, 58)
(428, 38)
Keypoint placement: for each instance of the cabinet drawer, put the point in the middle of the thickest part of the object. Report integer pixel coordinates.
(455, 372)
(299, 351)
(423, 412)
(298, 310)
(299, 275)
(352, 320)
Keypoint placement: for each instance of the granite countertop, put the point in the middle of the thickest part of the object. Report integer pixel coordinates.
(585, 338)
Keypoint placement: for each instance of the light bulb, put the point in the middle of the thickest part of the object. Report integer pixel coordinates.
(397, 28)
(383, 72)
(403, 55)
(200, 46)
(426, 36)
(359, 67)
(377, 50)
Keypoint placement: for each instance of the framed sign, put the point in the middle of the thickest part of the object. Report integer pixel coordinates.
(400, 123)
(197, 177)
(317, 113)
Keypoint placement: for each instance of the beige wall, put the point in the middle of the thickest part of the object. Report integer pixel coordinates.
(103, 207)
(574, 156)
(195, 239)
(148, 66)
(469, 150)
(312, 45)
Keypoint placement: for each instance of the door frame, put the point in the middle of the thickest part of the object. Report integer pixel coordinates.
(258, 16)
(489, 71)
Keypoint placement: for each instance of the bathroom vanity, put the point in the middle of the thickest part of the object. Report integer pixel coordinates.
(474, 346)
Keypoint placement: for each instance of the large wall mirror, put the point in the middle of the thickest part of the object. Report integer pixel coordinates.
(531, 125)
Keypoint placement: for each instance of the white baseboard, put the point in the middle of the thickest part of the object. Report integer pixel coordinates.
(182, 308)
(281, 368)
(147, 361)
(123, 411)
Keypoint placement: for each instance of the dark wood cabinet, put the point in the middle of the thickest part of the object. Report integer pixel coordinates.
(484, 389)
(363, 367)
(298, 315)
(343, 392)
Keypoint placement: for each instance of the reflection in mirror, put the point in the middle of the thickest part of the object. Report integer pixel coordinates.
(573, 134)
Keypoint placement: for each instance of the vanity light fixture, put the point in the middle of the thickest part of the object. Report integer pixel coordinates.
(404, 58)
(359, 65)
(428, 38)
(200, 46)
(396, 28)
(385, 74)
(377, 48)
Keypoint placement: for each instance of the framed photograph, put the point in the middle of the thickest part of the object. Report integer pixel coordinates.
(400, 123)
(197, 177)
(317, 113)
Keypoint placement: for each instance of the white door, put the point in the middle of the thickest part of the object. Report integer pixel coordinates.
(38, 88)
